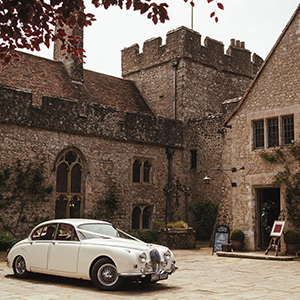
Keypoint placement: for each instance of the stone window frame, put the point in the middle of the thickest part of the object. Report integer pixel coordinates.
(193, 159)
(71, 201)
(139, 167)
(274, 125)
(140, 211)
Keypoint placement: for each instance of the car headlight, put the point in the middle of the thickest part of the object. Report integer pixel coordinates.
(167, 255)
(143, 257)
(164, 263)
(148, 265)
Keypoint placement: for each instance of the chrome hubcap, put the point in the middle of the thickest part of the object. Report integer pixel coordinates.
(20, 265)
(107, 275)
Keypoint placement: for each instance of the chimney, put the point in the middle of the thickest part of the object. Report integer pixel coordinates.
(73, 65)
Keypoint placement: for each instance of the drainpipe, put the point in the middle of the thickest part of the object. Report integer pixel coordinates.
(168, 216)
(174, 64)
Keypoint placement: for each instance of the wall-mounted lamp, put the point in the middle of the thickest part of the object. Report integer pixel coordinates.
(207, 179)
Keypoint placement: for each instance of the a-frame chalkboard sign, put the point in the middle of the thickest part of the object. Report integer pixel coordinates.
(221, 237)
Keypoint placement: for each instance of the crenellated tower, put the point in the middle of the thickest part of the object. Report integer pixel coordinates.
(184, 79)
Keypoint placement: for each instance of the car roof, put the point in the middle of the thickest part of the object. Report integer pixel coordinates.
(74, 222)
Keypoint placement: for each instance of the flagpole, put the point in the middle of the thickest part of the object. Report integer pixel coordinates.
(192, 17)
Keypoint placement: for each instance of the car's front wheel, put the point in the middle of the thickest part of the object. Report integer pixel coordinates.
(19, 267)
(105, 275)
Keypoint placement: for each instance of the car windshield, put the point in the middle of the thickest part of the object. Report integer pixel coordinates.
(87, 231)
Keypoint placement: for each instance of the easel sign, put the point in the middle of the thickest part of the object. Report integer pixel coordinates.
(275, 235)
(277, 228)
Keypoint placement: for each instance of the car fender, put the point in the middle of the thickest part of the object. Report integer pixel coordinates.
(15, 252)
(122, 258)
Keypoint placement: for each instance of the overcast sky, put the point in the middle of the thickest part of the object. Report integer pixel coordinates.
(257, 22)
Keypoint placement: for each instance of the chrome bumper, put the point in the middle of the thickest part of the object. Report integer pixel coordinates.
(144, 273)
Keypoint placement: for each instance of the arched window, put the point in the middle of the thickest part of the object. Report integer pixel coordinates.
(146, 170)
(136, 171)
(68, 185)
(141, 217)
(146, 217)
(136, 215)
(142, 170)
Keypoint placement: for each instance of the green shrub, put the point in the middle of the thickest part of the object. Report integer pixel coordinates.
(149, 236)
(157, 225)
(292, 237)
(237, 235)
(205, 213)
(6, 241)
(146, 236)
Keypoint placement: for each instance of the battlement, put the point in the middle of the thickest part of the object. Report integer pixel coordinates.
(61, 115)
(186, 43)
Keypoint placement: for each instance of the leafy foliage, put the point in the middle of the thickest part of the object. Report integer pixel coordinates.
(105, 208)
(147, 236)
(237, 235)
(21, 186)
(273, 157)
(178, 224)
(292, 237)
(205, 213)
(6, 241)
(27, 24)
(290, 178)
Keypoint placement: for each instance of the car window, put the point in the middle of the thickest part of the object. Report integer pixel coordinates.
(66, 233)
(47, 232)
(37, 233)
(97, 230)
(44, 232)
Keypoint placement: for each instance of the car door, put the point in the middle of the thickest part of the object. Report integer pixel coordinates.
(38, 249)
(64, 250)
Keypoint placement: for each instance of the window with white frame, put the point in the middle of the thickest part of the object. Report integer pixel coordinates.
(279, 131)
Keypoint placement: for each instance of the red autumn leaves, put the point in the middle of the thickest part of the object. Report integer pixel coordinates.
(217, 5)
(27, 24)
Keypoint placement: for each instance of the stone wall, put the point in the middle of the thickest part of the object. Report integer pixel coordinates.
(199, 77)
(274, 94)
(107, 141)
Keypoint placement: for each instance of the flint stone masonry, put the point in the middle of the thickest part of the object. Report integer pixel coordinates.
(177, 238)
(171, 97)
(186, 43)
(62, 115)
(200, 78)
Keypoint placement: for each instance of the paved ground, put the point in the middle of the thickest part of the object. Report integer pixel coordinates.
(200, 276)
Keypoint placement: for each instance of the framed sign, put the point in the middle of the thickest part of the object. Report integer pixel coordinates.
(277, 228)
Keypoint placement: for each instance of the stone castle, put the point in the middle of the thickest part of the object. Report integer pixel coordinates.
(134, 136)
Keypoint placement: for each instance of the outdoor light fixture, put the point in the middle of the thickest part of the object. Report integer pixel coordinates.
(207, 179)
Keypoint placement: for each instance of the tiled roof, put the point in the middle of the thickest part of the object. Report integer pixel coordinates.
(44, 77)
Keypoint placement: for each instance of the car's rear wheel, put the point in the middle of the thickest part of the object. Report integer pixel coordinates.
(19, 267)
(105, 275)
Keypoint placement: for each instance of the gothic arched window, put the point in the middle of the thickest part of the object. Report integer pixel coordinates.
(146, 169)
(146, 218)
(68, 185)
(136, 215)
(136, 171)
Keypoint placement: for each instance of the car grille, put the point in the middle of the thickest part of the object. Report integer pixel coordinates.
(155, 259)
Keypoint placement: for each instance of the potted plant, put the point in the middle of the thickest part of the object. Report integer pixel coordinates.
(292, 241)
(237, 238)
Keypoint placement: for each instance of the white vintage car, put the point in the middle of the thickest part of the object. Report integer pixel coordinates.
(92, 250)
